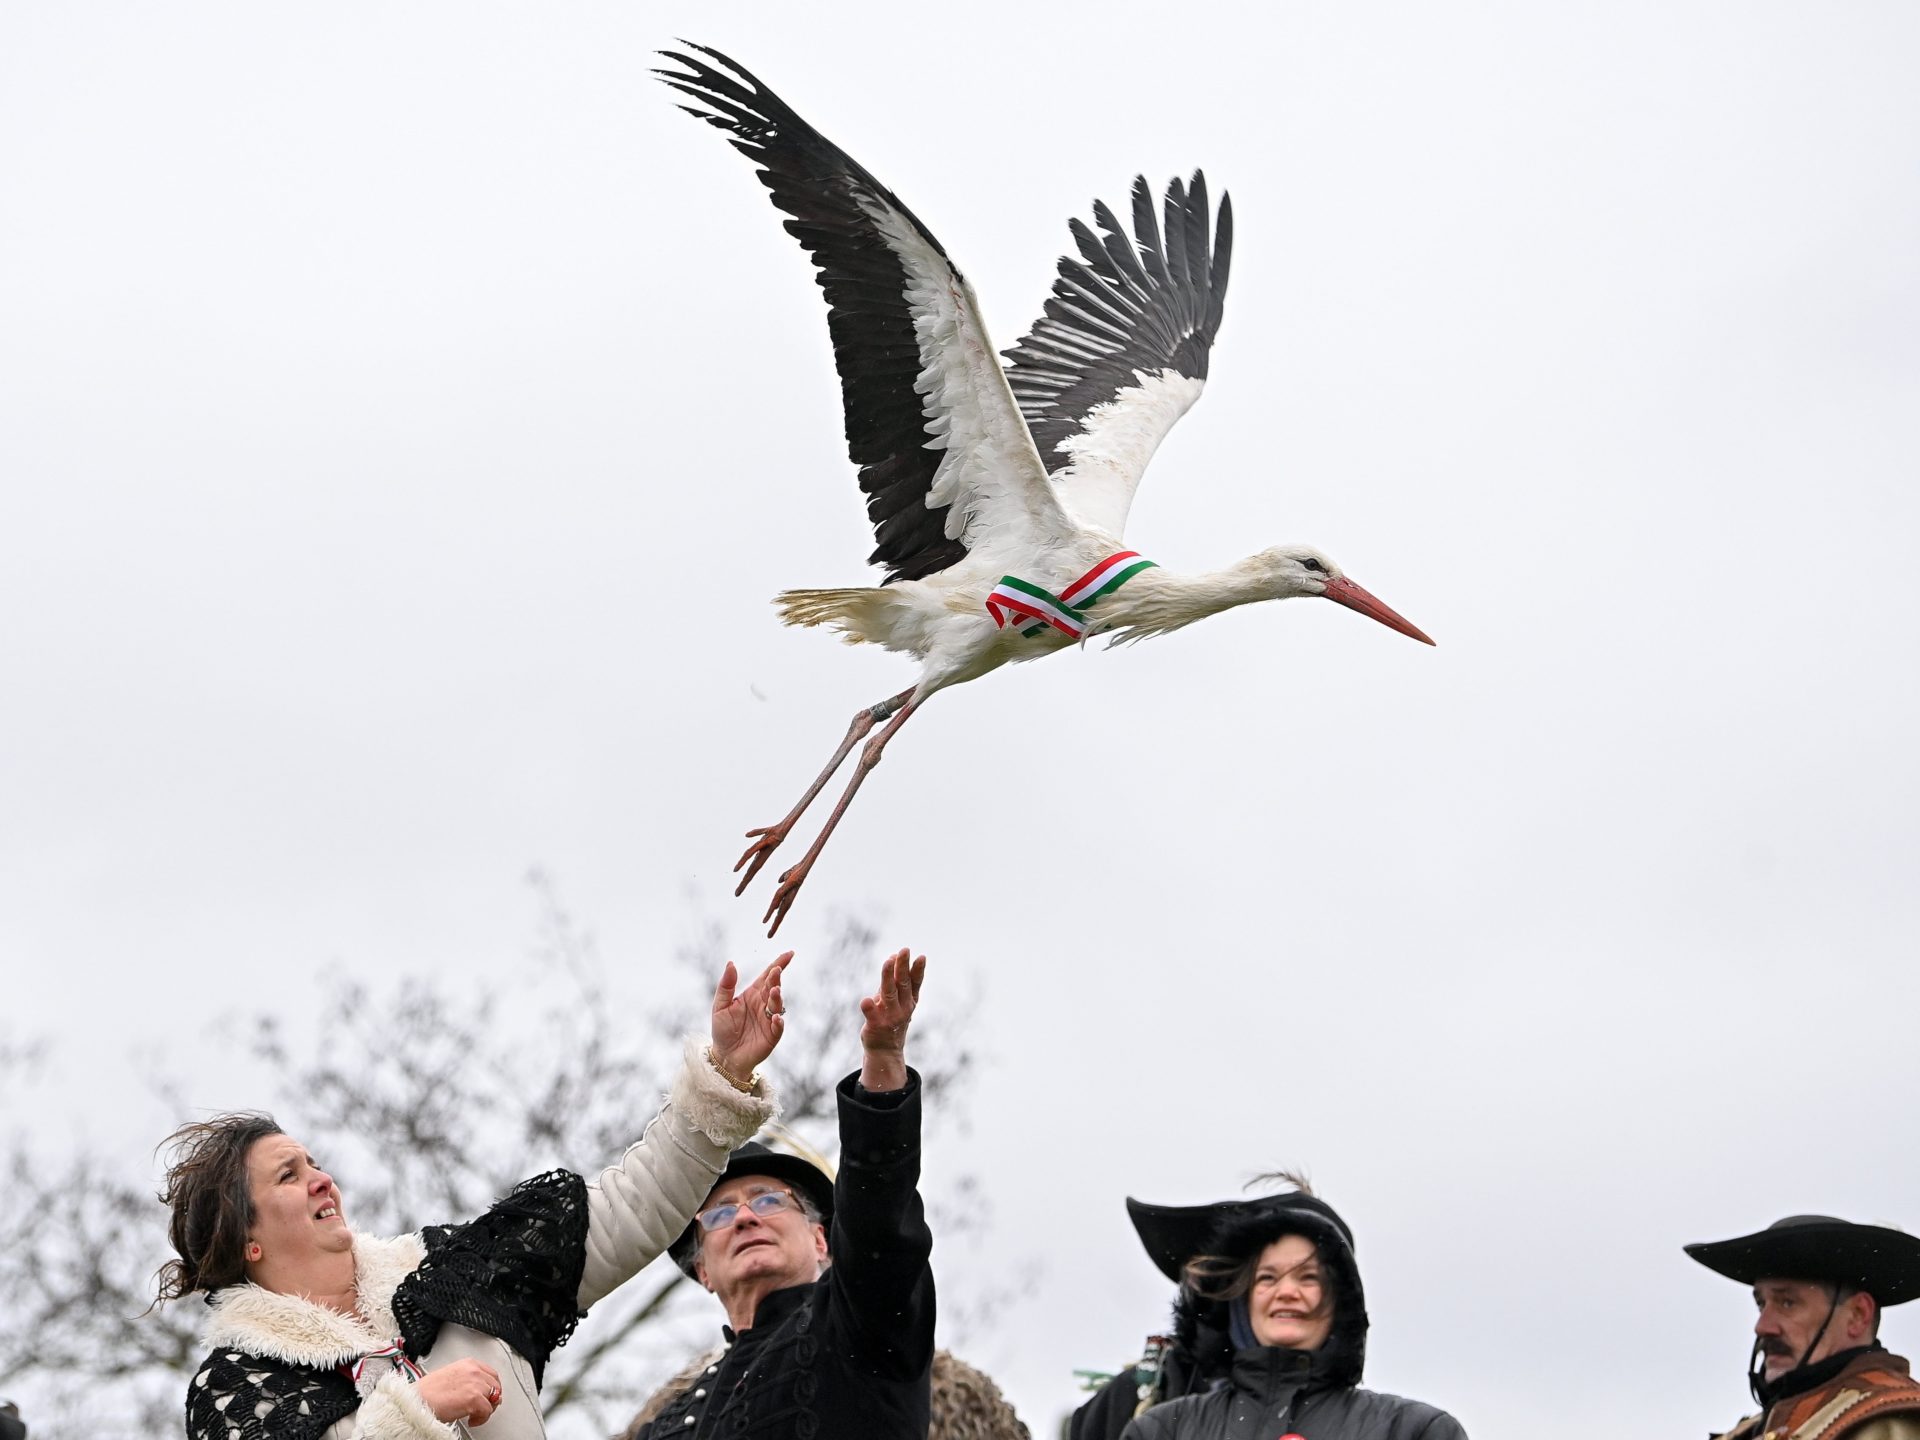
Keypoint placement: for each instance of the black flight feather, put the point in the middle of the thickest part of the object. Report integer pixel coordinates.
(820, 187)
(1146, 302)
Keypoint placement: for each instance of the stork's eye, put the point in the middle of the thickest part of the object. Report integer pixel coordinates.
(1314, 565)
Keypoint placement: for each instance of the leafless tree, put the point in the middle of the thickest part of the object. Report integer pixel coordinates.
(428, 1099)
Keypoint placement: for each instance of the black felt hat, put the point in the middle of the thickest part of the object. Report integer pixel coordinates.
(1174, 1234)
(1880, 1260)
(753, 1158)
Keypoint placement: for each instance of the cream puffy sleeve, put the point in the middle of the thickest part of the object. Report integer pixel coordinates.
(637, 1208)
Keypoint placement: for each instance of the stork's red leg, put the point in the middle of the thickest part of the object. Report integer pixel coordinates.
(770, 836)
(793, 879)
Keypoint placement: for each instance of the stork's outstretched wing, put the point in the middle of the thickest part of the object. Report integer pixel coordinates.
(1121, 352)
(945, 459)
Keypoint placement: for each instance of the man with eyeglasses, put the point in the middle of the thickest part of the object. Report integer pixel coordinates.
(1817, 1367)
(826, 1285)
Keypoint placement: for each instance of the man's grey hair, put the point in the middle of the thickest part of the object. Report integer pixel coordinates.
(807, 1207)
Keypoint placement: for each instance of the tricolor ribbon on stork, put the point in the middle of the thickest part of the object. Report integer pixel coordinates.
(1065, 612)
(395, 1352)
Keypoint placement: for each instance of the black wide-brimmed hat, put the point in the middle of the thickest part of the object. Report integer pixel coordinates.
(753, 1158)
(1174, 1234)
(1878, 1259)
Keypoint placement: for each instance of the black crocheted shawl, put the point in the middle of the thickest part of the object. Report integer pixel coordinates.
(514, 1274)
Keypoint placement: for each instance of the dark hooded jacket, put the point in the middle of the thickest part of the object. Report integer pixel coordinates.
(1258, 1392)
(1272, 1392)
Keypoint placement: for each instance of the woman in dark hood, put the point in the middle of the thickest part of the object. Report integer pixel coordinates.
(1270, 1333)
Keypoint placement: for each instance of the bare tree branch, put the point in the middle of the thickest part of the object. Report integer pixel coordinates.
(428, 1101)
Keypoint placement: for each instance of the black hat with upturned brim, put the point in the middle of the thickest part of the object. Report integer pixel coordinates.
(1174, 1234)
(753, 1158)
(1878, 1259)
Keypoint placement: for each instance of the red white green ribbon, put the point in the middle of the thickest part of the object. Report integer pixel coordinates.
(1014, 599)
(1105, 578)
(393, 1352)
(1065, 612)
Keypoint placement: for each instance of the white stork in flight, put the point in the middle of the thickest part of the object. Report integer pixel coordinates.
(998, 495)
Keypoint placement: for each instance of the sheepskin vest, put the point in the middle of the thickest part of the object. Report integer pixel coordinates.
(1874, 1386)
(280, 1364)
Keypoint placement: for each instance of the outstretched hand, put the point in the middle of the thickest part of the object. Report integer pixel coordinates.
(748, 1025)
(888, 1013)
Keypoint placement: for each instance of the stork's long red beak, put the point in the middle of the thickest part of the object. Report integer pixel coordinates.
(1353, 597)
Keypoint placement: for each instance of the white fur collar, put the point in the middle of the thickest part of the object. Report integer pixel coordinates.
(294, 1329)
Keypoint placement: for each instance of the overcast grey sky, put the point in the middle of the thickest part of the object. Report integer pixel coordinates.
(406, 414)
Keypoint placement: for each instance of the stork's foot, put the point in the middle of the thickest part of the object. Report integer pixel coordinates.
(762, 848)
(784, 894)
(767, 838)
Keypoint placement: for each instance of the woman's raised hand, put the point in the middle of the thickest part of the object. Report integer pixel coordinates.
(748, 1025)
(463, 1390)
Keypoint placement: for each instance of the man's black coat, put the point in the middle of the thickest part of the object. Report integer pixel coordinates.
(850, 1354)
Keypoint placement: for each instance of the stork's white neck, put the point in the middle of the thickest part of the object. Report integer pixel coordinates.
(1159, 600)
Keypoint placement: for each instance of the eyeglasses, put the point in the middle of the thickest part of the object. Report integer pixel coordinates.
(767, 1202)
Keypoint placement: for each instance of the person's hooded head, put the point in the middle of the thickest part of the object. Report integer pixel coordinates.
(1274, 1271)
